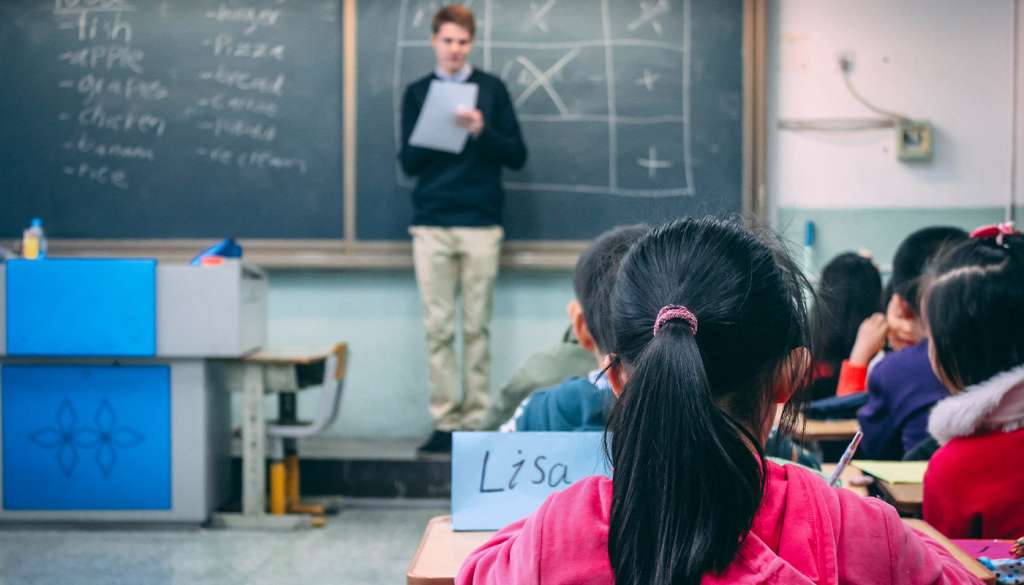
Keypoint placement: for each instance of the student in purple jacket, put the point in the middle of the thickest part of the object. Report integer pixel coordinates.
(902, 389)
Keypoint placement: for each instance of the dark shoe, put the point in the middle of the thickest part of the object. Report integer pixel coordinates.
(439, 442)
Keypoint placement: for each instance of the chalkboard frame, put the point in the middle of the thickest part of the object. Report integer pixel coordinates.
(348, 252)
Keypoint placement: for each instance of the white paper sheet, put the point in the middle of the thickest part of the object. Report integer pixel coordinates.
(435, 128)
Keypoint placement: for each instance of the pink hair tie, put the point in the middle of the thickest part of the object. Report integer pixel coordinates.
(670, 312)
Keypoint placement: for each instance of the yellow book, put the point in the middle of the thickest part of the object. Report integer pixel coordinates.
(893, 471)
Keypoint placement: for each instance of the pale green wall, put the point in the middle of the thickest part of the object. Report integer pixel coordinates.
(878, 231)
(378, 314)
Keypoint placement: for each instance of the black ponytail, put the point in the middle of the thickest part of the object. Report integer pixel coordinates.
(688, 462)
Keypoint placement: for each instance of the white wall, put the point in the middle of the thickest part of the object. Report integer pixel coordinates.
(947, 61)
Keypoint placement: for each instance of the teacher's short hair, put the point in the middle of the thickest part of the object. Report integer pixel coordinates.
(456, 14)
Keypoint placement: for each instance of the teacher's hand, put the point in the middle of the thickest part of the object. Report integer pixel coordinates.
(471, 120)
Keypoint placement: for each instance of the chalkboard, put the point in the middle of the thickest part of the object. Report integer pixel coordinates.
(632, 110)
(172, 119)
(153, 119)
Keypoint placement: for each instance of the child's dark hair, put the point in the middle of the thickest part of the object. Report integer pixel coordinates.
(456, 14)
(686, 431)
(974, 304)
(849, 291)
(594, 279)
(912, 256)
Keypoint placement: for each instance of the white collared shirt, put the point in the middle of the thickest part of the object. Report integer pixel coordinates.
(460, 76)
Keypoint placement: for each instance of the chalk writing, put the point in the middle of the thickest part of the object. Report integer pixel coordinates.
(92, 86)
(105, 57)
(244, 81)
(240, 128)
(86, 145)
(251, 17)
(221, 102)
(103, 175)
(225, 45)
(263, 159)
(142, 123)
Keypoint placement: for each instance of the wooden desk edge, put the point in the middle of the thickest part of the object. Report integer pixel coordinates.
(455, 540)
(907, 498)
(840, 429)
(410, 577)
(285, 357)
(971, 563)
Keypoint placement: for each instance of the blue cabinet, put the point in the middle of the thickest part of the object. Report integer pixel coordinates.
(71, 307)
(86, 437)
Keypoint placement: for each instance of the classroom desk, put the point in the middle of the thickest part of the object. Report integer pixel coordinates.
(905, 497)
(441, 552)
(257, 374)
(965, 559)
(848, 473)
(826, 430)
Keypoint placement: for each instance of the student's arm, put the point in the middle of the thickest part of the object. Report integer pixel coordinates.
(510, 556)
(870, 339)
(918, 559)
(501, 139)
(853, 378)
(876, 420)
(876, 547)
(413, 158)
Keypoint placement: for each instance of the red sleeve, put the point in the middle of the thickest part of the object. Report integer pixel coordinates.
(852, 379)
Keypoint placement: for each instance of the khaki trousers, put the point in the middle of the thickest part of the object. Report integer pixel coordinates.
(446, 260)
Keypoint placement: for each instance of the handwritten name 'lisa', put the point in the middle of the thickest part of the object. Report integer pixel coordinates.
(541, 471)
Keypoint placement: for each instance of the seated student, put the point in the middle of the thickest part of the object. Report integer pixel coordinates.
(539, 370)
(580, 403)
(709, 327)
(974, 486)
(902, 388)
(846, 322)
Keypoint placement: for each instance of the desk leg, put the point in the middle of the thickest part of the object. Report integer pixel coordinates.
(254, 437)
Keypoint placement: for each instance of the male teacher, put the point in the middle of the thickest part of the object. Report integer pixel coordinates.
(456, 226)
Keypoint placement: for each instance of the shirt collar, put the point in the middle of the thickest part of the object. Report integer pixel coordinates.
(460, 76)
(598, 380)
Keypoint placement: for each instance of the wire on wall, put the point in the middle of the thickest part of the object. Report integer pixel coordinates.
(888, 118)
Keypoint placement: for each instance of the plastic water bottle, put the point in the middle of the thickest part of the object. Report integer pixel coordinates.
(33, 241)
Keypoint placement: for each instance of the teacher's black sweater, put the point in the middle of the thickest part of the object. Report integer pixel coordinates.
(463, 190)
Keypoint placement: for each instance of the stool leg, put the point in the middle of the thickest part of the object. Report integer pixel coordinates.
(295, 504)
(291, 466)
(277, 488)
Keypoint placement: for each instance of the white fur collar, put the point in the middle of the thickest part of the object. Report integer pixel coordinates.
(964, 414)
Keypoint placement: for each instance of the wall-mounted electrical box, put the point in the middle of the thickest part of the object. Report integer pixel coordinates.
(914, 140)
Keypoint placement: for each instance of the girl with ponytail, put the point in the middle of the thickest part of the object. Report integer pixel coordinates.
(974, 306)
(709, 338)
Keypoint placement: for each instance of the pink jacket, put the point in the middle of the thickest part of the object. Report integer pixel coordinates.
(805, 532)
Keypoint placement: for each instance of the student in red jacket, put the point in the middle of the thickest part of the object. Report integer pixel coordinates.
(974, 487)
(847, 309)
(709, 334)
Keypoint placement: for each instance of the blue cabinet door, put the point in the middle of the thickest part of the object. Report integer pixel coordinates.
(71, 307)
(84, 437)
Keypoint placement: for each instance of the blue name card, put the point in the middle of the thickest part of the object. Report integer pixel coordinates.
(498, 478)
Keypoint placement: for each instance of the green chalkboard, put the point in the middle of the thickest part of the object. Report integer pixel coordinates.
(160, 119)
(631, 110)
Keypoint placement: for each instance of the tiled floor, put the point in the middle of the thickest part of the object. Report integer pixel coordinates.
(366, 543)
